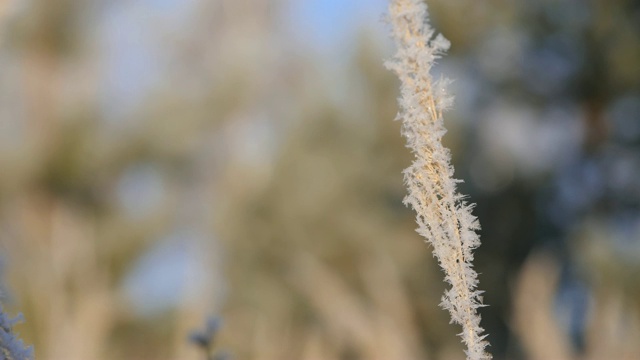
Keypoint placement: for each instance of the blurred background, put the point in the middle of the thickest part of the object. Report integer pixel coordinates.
(164, 161)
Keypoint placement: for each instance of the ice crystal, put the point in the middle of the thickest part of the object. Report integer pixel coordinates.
(444, 218)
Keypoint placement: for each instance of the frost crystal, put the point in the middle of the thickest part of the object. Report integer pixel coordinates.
(11, 347)
(443, 218)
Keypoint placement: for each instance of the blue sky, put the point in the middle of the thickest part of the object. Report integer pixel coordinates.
(329, 23)
(134, 61)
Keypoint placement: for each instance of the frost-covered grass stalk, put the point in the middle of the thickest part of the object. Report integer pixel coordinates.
(444, 219)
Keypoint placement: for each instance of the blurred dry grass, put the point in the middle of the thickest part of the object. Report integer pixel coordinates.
(611, 331)
(297, 197)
